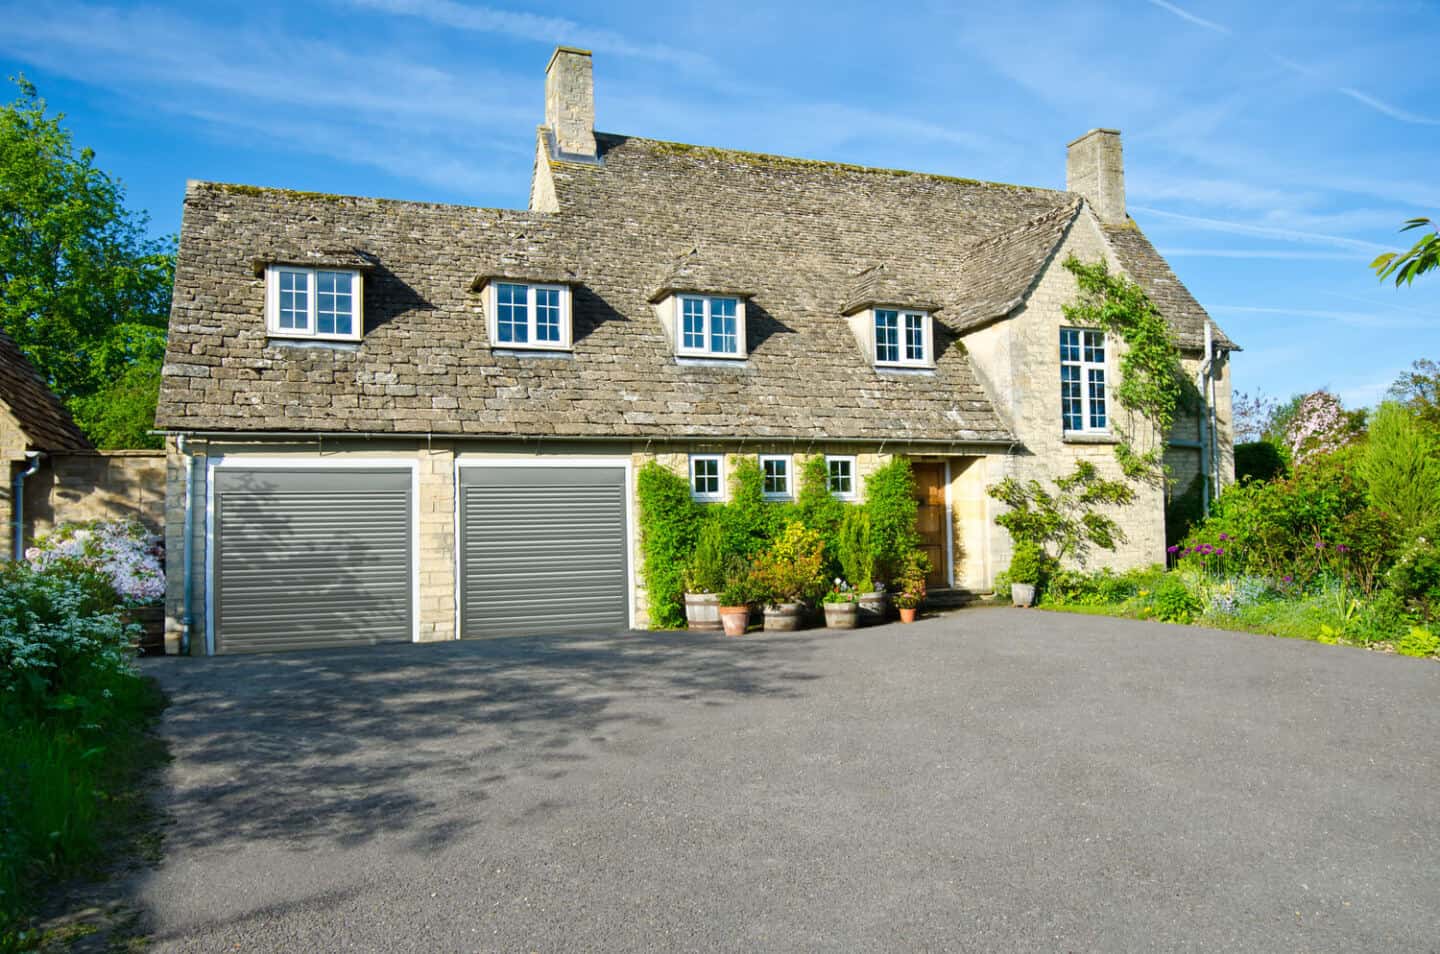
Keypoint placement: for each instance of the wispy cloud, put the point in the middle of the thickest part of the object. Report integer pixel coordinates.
(1262, 253)
(527, 26)
(1394, 112)
(1261, 231)
(1357, 319)
(1189, 17)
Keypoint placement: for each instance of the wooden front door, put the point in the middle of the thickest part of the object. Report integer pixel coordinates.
(930, 520)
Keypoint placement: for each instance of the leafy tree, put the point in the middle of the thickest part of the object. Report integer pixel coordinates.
(1419, 390)
(122, 413)
(1401, 467)
(1066, 523)
(1422, 257)
(83, 291)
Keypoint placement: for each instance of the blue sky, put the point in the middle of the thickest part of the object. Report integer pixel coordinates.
(1271, 149)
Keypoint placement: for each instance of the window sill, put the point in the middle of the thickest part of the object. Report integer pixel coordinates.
(1090, 437)
(563, 354)
(273, 340)
(712, 361)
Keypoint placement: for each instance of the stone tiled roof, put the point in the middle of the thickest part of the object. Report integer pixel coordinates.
(694, 272)
(998, 271)
(880, 285)
(1152, 273)
(46, 423)
(650, 216)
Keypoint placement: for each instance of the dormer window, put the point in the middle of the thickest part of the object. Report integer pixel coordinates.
(528, 315)
(902, 338)
(313, 303)
(709, 326)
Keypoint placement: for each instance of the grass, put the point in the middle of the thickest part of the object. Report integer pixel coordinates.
(71, 796)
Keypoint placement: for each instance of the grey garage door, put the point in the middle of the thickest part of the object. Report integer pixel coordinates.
(542, 551)
(310, 559)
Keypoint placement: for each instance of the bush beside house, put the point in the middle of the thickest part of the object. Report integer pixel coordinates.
(74, 710)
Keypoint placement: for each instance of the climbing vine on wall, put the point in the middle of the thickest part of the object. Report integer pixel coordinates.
(1152, 382)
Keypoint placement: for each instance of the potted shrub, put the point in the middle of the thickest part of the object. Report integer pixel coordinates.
(705, 578)
(856, 555)
(1024, 573)
(842, 609)
(735, 598)
(910, 585)
(788, 573)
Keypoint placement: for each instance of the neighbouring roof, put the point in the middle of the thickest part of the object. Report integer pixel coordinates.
(800, 238)
(41, 416)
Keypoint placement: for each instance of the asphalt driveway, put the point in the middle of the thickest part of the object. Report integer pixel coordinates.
(989, 780)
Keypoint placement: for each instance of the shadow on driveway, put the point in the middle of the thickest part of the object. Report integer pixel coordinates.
(315, 747)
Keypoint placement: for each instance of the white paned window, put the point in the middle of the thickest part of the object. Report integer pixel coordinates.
(312, 303)
(1082, 380)
(710, 327)
(529, 316)
(775, 469)
(902, 338)
(840, 474)
(706, 476)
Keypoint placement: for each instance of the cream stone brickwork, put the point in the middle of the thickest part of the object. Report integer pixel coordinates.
(1019, 362)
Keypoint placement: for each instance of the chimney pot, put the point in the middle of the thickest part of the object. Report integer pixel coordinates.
(1095, 169)
(570, 103)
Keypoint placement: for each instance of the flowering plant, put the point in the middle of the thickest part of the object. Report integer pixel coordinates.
(840, 592)
(130, 557)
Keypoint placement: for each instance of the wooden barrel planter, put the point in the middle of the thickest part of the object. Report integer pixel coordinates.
(783, 617)
(874, 608)
(151, 620)
(702, 612)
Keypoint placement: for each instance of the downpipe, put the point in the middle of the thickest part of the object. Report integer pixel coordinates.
(19, 498)
(186, 616)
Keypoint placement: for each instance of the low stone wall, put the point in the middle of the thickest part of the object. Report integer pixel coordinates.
(96, 485)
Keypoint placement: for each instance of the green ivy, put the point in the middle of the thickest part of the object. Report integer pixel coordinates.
(669, 525)
(750, 521)
(818, 508)
(1152, 382)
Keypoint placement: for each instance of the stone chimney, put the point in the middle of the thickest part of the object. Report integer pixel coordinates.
(1095, 168)
(570, 103)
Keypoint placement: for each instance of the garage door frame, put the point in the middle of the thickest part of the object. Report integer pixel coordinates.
(247, 462)
(608, 462)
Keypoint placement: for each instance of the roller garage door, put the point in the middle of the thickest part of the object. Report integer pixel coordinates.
(311, 559)
(542, 551)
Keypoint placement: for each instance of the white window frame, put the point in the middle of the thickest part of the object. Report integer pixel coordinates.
(492, 315)
(719, 493)
(312, 299)
(789, 492)
(741, 351)
(1085, 367)
(854, 491)
(902, 317)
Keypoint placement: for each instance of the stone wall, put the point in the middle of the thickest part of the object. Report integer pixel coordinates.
(96, 485)
(1018, 361)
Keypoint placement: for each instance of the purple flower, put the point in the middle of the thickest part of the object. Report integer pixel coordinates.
(1224, 536)
(1342, 548)
(1174, 549)
(1219, 551)
(1287, 579)
(1319, 544)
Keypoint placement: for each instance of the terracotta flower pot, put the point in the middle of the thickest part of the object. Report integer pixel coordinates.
(1022, 594)
(783, 617)
(874, 607)
(734, 619)
(842, 615)
(908, 613)
(702, 611)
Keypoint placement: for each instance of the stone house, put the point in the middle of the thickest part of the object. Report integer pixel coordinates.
(398, 420)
